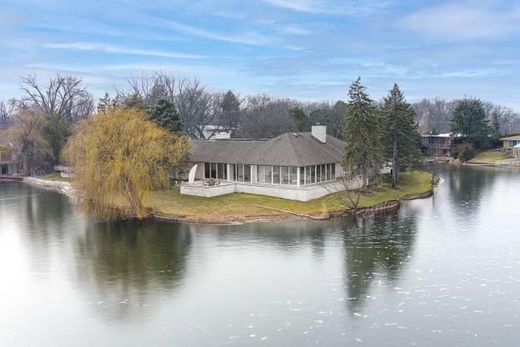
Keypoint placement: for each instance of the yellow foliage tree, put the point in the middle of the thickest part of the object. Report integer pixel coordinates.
(122, 154)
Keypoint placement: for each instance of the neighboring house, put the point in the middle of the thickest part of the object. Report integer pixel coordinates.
(516, 151)
(215, 132)
(510, 142)
(8, 165)
(440, 146)
(297, 166)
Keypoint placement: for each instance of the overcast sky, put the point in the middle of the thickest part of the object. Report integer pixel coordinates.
(304, 49)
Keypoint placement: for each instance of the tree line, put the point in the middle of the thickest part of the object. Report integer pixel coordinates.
(130, 143)
(45, 114)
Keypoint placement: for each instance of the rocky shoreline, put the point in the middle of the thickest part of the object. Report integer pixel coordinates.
(61, 187)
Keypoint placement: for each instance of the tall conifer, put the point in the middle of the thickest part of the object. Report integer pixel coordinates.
(363, 152)
(400, 135)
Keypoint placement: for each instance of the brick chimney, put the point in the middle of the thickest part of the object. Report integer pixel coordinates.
(319, 132)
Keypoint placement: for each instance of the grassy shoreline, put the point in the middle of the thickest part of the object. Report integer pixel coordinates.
(489, 158)
(241, 207)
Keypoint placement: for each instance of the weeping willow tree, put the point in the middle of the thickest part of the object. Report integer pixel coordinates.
(120, 157)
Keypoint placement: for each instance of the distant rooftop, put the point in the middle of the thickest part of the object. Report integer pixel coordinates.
(511, 138)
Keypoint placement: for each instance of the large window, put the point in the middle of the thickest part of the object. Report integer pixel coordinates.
(276, 175)
(222, 171)
(268, 174)
(240, 173)
(284, 175)
(308, 175)
(260, 174)
(247, 173)
(293, 175)
(318, 173)
(206, 170)
(211, 170)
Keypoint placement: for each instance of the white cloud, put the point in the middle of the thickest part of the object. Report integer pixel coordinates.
(296, 5)
(249, 38)
(108, 48)
(463, 21)
(296, 30)
(323, 7)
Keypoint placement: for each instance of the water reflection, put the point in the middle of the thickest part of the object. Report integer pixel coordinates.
(468, 185)
(375, 282)
(376, 248)
(44, 219)
(123, 264)
(288, 237)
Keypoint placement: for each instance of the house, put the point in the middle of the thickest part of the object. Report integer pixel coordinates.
(8, 165)
(516, 152)
(509, 142)
(296, 166)
(215, 132)
(440, 146)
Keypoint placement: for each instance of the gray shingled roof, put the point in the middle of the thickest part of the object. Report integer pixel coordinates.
(289, 149)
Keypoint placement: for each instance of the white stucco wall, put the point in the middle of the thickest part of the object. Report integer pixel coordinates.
(207, 192)
(304, 193)
(199, 173)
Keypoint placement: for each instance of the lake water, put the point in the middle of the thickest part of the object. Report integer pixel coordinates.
(441, 271)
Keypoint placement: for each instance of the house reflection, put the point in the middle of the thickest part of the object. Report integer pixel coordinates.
(289, 237)
(376, 248)
(123, 265)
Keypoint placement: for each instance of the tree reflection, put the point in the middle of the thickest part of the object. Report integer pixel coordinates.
(288, 237)
(123, 264)
(467, 185)
(379, 248)
(44, 218)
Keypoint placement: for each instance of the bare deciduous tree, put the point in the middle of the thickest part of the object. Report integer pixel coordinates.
(197, 107)
(64, 97)
(7, 110)
(434, 115)
(264, 116)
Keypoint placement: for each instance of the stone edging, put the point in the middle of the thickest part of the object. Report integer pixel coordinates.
(61, 187)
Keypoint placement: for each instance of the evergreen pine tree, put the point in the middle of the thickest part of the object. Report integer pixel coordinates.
(299, 118)
(469, 119)
(400, 133)
(363, 152)
(230, 110)
(165, 114)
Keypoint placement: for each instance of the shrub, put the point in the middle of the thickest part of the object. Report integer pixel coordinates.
(466, 153)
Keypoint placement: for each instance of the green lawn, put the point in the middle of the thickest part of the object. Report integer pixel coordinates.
(241, 207)
(490, 157)
(54, 177)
